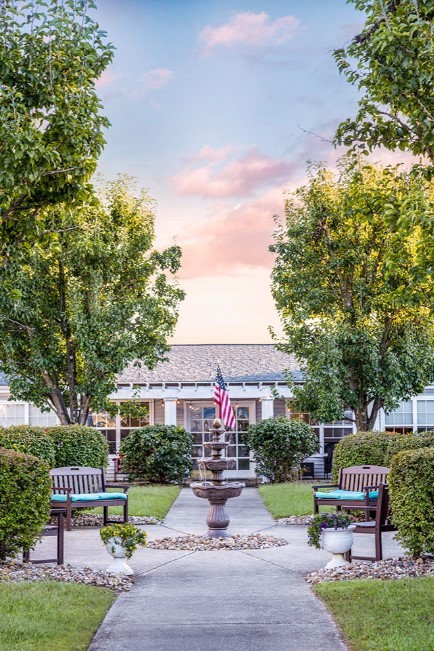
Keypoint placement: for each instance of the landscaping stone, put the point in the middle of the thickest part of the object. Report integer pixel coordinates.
(391, 568)
(95, 520)
(17, 572)
(203, 544)
(295, 519)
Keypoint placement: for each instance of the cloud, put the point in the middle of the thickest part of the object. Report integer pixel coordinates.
(237, 178)
(154, 79)
(107, 78)
(249, 29)
(233, 238)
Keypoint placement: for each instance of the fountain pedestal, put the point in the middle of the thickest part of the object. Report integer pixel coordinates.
(217, 491)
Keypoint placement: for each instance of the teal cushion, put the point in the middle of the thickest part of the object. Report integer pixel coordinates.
(346, 495)
(89, 497)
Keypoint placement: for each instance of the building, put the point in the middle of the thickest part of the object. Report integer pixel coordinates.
(180, 391)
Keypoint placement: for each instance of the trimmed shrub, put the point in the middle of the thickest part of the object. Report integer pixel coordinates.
(411, 484)
(376, 448)
(29, 440)
(158, 453)
(279, 445)
(77, 445)
(25, 490)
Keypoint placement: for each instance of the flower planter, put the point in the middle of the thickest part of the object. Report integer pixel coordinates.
(117, 550)
(337, 542)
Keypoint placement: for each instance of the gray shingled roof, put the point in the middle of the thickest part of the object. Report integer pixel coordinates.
(198, 363)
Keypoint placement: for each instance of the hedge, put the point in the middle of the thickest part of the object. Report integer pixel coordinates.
(279, 445)
(30, 440)
(25, 490)
(411, 484)
(77, 445)
(376, 448)
(158, 453)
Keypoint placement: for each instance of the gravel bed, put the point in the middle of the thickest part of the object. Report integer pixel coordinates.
(204, 544)
(295, 519)
(391, 568)
(95, 520)
(17, 572)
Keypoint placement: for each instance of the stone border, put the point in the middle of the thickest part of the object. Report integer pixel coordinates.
(391, 568)
(204, 544)
(96, 520)
(17, 572)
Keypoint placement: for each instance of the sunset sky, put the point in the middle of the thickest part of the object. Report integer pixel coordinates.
(210, 103)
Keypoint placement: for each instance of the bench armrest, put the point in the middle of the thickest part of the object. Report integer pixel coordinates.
(370, 488)
(123, 487)
(325, 486)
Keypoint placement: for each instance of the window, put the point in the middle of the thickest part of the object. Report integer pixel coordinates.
(41, 418)
(402, 416)
(425, 415)
(116, 428)
(12, 414)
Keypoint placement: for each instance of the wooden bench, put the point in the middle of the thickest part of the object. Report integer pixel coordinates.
(357, 486)
(51, 530)
(374, 527)
(76, 487)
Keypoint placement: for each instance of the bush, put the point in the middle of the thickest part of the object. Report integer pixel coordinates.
(411, 484)
(157, 453)
(77, 445)
(25, 490)
(30, 440)
(279, 445)
(376, 448)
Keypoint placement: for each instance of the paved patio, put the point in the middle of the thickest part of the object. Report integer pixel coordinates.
(205, 601)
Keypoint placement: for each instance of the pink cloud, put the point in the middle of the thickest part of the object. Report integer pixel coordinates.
(249, 29)
(233, 238)
(234, 179)
(152, 80)
(107, 78)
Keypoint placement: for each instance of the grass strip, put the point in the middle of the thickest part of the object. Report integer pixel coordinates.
(283, 500)
(383, 615)
(154, 500)
(50, 615)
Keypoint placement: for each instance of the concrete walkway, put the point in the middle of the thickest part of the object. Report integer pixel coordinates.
(253, 600)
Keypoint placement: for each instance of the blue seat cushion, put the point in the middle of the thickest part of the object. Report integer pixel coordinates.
(346, 495)
(89, 497)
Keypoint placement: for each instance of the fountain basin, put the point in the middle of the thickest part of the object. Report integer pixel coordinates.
(212, 492)
(220, 464)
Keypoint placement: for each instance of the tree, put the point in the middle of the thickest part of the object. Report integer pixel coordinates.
(394, 57)
(51, 131)
(343, 284)
(279, 445)
(90, 299)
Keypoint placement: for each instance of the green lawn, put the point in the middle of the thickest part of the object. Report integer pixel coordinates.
(49, 615)
(153, 500)
(383, 615)
(283, 500)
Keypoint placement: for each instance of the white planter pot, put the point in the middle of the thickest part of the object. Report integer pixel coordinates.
(337, 542)
(117, 550)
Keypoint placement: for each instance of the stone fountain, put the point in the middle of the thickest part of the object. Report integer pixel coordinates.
(217, 491)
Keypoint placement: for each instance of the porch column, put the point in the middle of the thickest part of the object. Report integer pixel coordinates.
(170, 411)
(267, 408)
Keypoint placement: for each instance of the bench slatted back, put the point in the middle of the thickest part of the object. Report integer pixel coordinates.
(356, 478)
(81, 479)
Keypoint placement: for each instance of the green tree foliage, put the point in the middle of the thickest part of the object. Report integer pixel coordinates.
(158, 453)
(87, 302)
(279, 445)
(51, 54)
(25, 489)
(392, 62)
(344, 286)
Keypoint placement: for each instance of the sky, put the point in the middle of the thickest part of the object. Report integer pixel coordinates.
(215, 107)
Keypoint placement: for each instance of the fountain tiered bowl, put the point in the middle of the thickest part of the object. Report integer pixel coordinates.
(217, 491)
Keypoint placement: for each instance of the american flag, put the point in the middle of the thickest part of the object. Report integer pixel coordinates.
(221, 398)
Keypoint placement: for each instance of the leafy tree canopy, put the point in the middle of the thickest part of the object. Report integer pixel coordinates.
(392, 62)
(51, 54)
(88, 300)
(343, 283)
